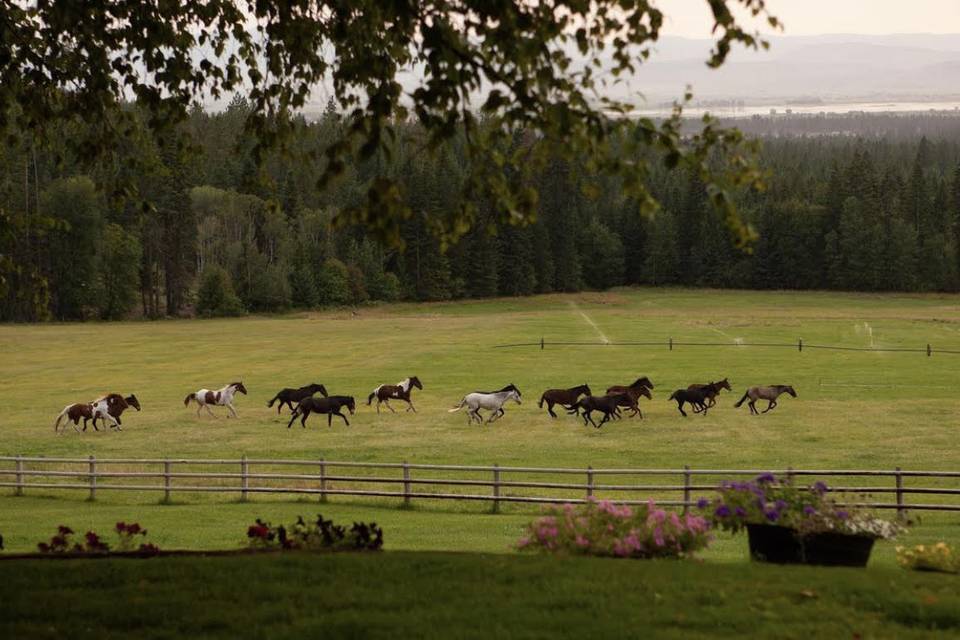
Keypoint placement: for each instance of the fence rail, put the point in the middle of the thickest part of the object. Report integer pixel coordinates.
(670, 344)
(491, 483)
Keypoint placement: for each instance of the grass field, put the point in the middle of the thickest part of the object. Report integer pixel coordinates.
(854, 410)
(439, 595)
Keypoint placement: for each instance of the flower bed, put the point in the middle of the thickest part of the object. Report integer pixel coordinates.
(318, 535)
(935, 557)
(601, 528)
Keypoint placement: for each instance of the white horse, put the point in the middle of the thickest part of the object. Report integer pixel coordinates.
(490, 401)
(222, 397)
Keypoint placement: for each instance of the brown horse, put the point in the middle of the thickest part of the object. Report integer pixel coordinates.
(289, 396)
(564, 397)
(74, 412)
(330, 405)
(711, 399)
(400, 391)
(631, 399)
(639, 383)
(112, 405)
(607, 405)
(697, 397)
(769, 393)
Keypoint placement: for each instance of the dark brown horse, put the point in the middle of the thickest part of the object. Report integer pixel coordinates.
(607, 405)
(712, 399)
(639, 383)
(697, 397)
(631, 399)
(769, 393)
(74, 412)
(112, 405)
(330, 405)
(400, 391)
(564, 397)
(291, 396)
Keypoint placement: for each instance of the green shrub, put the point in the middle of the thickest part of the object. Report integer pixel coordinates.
(216, 296)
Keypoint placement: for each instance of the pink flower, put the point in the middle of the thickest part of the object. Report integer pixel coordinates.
(658, 536)
(582, 541)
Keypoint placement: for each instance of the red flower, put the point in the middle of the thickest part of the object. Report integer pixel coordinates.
(64, 530)
(258, 531)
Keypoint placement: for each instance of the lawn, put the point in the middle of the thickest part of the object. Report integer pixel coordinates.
(442, 595)
(855, 409)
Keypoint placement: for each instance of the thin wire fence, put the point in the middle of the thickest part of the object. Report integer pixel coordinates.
(671, 344)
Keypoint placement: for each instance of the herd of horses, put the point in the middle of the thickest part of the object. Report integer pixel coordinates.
(313, 398)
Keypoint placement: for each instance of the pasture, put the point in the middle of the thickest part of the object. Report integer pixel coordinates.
(855, 409)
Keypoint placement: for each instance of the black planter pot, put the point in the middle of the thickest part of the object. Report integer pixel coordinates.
(782, 545)
(772, 543)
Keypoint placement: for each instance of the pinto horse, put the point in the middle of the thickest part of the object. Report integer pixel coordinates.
(74, 412)
(289, 396)
(491, 401)
(769, 393)
(329, 405)
(400, 391)
(711, 399)
(112, 405)
(564, 397)
(222, 397)
(697, 397)
(607, 405)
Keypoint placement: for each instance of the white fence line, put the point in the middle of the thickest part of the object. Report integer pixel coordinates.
(98, 474)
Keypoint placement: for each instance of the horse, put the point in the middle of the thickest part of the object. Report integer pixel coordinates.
(222, 397)
(112, 405)
(74, 412)
(509, 387)
(400, 391)
(288, 396)
(769, 393)
(564, 397)
(639, 383)
(607, 405)
(711, 399)
(697, 397)
(631, 399)
(491, 401)
(329, 405)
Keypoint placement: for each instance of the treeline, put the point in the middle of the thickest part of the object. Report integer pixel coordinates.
(225, 235)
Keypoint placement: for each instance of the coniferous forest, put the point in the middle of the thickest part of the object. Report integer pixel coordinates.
(855, 202)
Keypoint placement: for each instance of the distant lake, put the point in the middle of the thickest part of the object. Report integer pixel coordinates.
(745, 111)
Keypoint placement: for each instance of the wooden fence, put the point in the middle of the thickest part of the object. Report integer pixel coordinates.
(671, 344)
(938, 490)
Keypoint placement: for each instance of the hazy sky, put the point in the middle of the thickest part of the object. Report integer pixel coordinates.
(691, 18)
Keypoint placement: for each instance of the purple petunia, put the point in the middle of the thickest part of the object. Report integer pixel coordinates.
(740, 512)
(772, 515)
(820, 487)
(722, 511)
(808, 510)
(766, 478)
(843, 515)
(703, 503)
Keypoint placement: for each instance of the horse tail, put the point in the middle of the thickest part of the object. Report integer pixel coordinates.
(542, 398)
(740, 401)
(371, 397)
(272, 400)
(459, 406)
(673, 396)
(56, 425)
(189, 397)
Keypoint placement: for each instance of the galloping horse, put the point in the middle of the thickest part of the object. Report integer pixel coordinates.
(697, 397)
(607, 405)
(769, 393)
(509, 387)
(490, 401)
(639, 383)
(711, 399)
(564, 397)
(222, 397)
(330, 405)
(400, 391)
(112, 405)
(631, 399)
(288, 396)
(74, 412)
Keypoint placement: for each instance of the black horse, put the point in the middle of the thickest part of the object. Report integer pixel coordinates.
(696, 396)
(290, 396)
(607, 405)
(330, 405)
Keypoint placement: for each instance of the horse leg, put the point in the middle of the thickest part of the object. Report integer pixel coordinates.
(387, 402)
(680, 408)
(303, 419)
(293, 417)
(771, 405)
(411, 407)
(344, 417)
(550, 409)
(753, 407)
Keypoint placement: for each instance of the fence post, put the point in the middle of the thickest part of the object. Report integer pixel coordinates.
(790, 475)
(671, 344)
(686, 488)
(244, 481)
(589, 482)
(800, 344)
(323, 481)
(93, 479)
(928, 350)
(19, 490)
(899, 477)
(496, 488)
(406, 484)
(541, 343)
(166, 481)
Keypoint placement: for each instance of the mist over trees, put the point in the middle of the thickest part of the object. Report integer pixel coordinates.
(841, 211)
